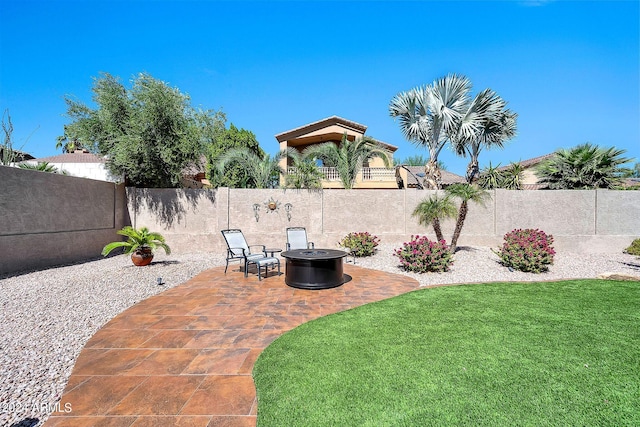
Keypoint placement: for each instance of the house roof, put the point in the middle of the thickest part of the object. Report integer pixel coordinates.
(75, 157)
(333, 120)
(530, 162)
(324, 123)
(448, 178)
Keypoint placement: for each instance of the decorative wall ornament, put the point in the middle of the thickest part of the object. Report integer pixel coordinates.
(256, 211)
(287, 209)
(272, 205)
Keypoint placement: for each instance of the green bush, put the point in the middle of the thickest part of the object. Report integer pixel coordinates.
(527, 250)
(361, 244)
(422, 255)
(634, 249)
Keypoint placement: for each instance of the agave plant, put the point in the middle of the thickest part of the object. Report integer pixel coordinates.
(138, 241)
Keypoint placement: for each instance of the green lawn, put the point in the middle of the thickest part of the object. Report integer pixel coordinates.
(510, 354)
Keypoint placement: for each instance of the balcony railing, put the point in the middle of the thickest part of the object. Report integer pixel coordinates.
(368, 174)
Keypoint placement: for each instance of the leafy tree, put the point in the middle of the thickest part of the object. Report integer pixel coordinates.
(306, 175)
(485, 123)
(430, 211)
(221, 140)
(149, 133)
(428, 114)
(585, 166)
(418, 160)
(348, 158)
(68, 143)
(262, 172)
(465, 192)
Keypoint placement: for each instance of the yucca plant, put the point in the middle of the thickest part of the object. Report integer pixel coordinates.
(140, 241)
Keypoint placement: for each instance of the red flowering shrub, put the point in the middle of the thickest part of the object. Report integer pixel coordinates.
(361, 244)
(527, 250)
(422, 255)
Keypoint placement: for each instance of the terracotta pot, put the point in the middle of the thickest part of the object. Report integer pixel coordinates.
(142, 257)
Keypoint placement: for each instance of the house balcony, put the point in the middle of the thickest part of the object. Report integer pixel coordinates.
(366, 178)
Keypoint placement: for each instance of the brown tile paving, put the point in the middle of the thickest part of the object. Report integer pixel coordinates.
(185, 357)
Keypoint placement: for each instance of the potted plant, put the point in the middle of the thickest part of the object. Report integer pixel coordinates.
(140, 244)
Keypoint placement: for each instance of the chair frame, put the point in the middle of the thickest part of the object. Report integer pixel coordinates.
(310, 245)
(244, 255)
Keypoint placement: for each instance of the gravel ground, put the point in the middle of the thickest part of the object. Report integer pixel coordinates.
(48, 316)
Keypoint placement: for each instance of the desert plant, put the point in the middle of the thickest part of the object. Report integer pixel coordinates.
(465, 192)
(634, 249)
(421, 255)
(527, 250)
(430, 211)
(361, 243)
(138, 240)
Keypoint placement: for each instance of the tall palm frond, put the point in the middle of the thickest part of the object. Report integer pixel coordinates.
(430, 211)
(466, 193)
(349, 157)
(428, 114)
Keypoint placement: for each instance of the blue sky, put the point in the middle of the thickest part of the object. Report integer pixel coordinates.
(570, 69)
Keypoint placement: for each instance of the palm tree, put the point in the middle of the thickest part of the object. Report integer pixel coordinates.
(585, 166)
(262, 172)
(68, 143)
(485, 123)
(40, 166)
(491, 177)
(428, 114)
(306, 175)
(465, 192)
(512, 177)
(348, 158)
(431, 210)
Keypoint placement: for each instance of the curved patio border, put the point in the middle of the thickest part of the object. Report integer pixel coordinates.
(185, 357)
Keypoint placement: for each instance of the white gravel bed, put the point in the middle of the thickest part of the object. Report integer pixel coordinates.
(48, 316)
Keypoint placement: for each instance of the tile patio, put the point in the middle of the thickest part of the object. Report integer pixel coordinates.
(185, 357)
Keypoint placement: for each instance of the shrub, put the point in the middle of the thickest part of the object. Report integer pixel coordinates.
(422, 255)
(361, 244)
(527, 250)
(634, 249)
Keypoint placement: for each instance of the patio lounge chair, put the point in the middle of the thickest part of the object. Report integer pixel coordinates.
(297, 239)
(238, 249)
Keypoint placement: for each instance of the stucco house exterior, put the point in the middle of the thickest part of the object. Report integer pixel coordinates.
(331, 129)
(80, 163)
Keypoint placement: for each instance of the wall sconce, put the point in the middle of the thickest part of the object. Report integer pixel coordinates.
(256, 210)
(287, 209)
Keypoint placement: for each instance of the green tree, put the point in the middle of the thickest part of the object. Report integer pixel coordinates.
(348, 157)
(262, 172)
(221, 140)
(68, 143)
(485, 123)
(429, 114)
(585, 166)
(149, 133)
(465, 193)
(430, 211)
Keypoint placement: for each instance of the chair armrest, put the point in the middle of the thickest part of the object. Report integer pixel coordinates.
(288, 246)
(231, 251)
(258, 246)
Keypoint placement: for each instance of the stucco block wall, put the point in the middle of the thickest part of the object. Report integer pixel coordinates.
(50, 219)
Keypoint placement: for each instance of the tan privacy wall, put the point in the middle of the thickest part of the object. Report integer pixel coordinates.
(49, 219)
(191, 220)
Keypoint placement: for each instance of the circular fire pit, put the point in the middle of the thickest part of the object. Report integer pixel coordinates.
(314, 268)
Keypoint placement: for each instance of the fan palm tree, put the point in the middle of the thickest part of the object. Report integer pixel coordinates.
(262, 172)
(466, 193)
(429, 114)
(585, 166)
(348, 158)
(430, 211)
(485, 123)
